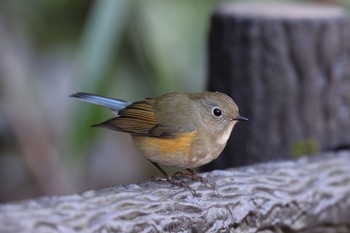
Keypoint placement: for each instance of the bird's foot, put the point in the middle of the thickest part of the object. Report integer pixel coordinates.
(195, 176)
(174, 181)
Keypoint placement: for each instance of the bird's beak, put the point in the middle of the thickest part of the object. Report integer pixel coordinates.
(240, 118)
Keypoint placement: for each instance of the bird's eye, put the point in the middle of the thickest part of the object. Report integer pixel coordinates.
(217, 112)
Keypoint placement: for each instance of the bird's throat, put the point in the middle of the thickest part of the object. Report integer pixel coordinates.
(225, 134)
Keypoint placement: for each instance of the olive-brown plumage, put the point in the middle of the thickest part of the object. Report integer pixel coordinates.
(184, 130)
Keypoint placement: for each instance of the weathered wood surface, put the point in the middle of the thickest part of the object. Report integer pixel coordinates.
(287, 65)
(308, 195)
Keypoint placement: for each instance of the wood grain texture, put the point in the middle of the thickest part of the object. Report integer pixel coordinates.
(287, 66)
(307, 195)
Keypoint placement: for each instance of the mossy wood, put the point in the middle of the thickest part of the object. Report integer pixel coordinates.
(287, 66)
(308, 195)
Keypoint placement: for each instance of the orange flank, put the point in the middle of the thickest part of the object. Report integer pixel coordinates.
(168, 146)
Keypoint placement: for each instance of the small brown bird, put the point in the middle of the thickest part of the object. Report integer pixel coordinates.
(183, 130)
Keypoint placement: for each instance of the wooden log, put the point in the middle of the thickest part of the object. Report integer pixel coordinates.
(288, 68)
(307, 195)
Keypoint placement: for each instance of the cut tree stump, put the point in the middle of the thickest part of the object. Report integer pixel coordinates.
(287, 66)
(308, 195)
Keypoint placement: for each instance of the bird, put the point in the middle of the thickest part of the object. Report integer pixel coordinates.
(178, 129)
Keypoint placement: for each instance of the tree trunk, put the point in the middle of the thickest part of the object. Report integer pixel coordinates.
(287, 66)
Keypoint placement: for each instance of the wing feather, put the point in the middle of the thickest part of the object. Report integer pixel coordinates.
(140, 119)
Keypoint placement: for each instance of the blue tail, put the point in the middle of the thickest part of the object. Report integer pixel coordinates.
(113, 104)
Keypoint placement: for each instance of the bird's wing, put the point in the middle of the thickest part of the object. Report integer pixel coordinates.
(140, 119)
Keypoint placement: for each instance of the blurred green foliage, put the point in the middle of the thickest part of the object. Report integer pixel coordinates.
(307, 146)
(50, 22)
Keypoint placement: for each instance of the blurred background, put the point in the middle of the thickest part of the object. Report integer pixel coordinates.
(127, 49)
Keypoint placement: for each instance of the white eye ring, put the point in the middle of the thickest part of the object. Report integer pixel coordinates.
(216, 112)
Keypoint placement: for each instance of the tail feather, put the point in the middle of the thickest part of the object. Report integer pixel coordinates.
(113, 104)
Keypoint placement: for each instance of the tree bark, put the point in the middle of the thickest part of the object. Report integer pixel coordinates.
(307, 195)
(287, 66)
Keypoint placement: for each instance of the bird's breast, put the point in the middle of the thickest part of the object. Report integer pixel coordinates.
(174, 152)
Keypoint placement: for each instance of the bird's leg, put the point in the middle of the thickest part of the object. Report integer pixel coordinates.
(193, 175)
(173, 181)
(159, 168)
